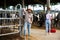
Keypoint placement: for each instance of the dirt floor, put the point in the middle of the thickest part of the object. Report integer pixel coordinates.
(40, 34)
(36, 34)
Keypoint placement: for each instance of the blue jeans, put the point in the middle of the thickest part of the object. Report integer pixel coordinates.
(27, 25)
(48, 25)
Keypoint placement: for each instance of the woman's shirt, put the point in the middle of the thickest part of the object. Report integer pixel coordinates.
(28, 17)
(48, 16)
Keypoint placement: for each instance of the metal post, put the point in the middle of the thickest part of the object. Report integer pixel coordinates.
(48, 9)
(44, 8)
(4, 4)
(48, 2)
(48, 5)
(23, 3)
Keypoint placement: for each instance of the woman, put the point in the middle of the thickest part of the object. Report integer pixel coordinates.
(48, 22)
(28, 21)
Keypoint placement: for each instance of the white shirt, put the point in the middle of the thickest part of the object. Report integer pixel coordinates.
(48, 16)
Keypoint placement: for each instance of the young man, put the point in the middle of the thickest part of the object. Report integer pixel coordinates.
(28, 21)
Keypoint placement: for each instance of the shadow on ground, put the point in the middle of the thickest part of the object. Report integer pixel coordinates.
(11, 37)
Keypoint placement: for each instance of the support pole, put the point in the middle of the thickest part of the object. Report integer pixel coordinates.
(23, 3)
(44, 8)
(4, 4)
(33, 7)
(48, 5)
